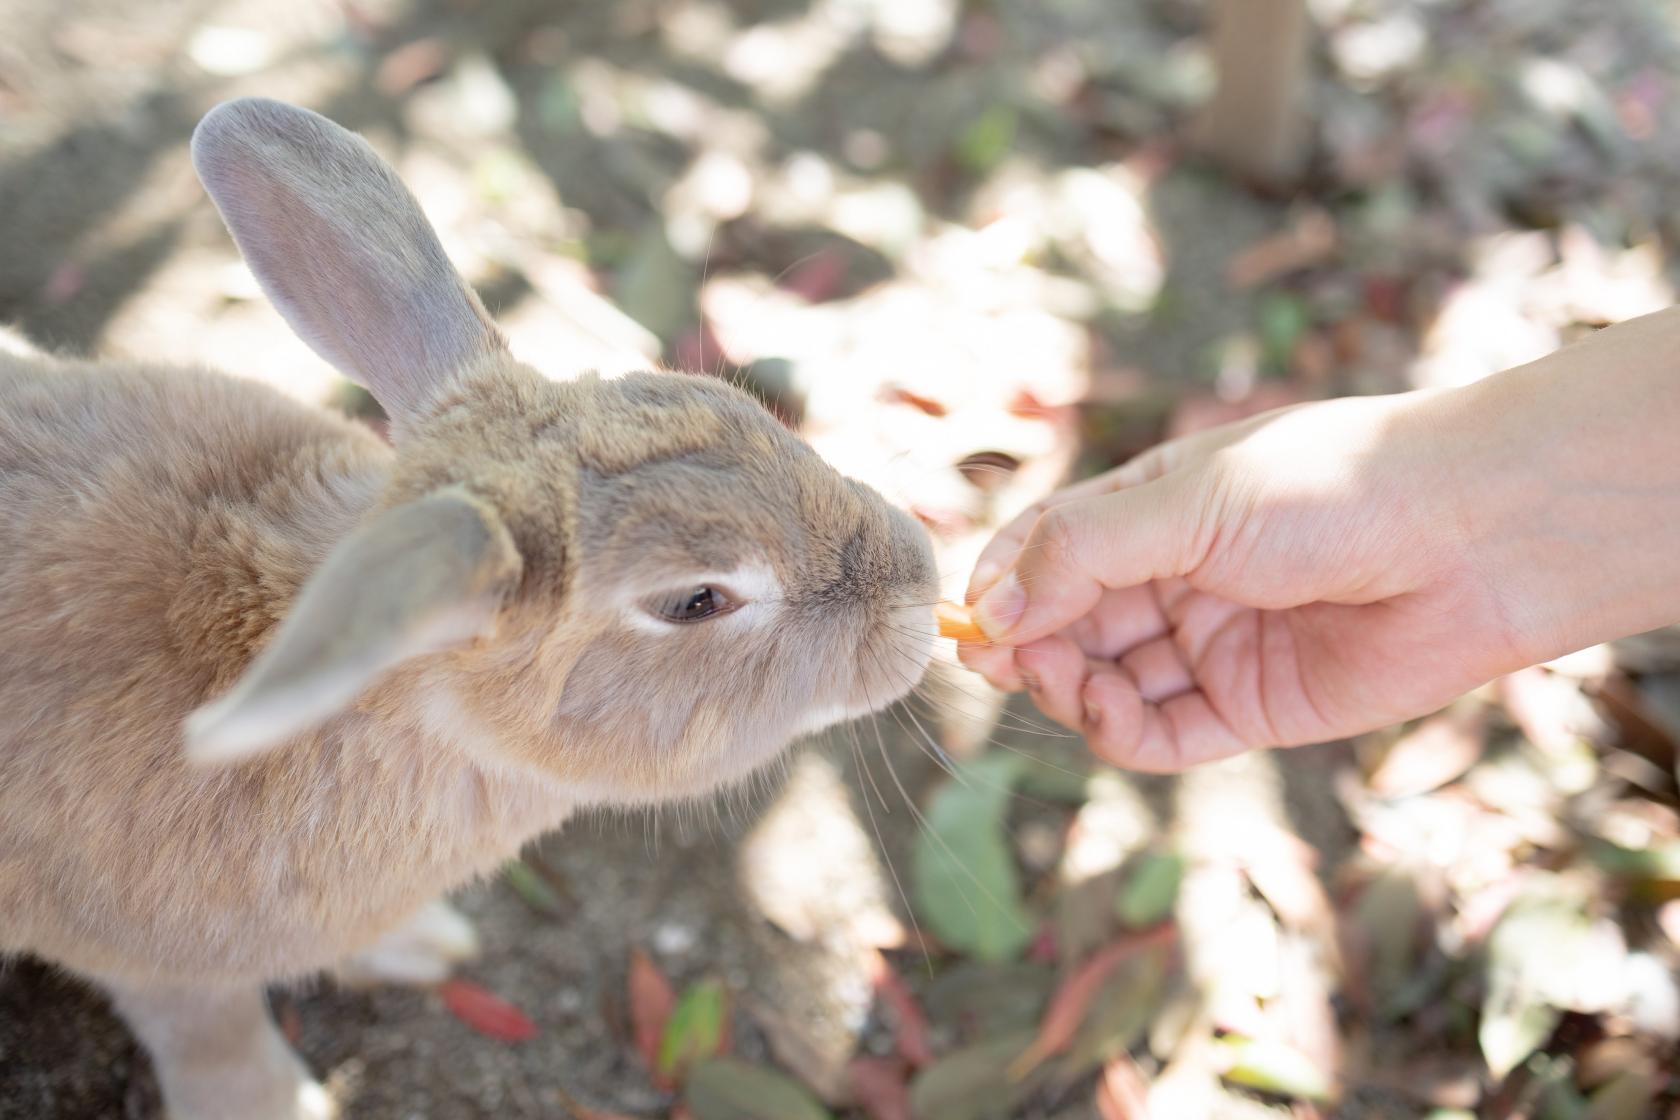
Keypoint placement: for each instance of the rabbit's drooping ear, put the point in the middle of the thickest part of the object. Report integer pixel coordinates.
(425, 576)
(341, 248)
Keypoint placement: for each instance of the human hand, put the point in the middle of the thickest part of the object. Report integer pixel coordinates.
(1301, 576)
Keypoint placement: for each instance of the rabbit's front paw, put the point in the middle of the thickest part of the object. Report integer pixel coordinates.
(302, 1099)
(423, 950)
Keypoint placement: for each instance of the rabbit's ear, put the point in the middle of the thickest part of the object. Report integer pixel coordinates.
(425, 576)
(341, 248)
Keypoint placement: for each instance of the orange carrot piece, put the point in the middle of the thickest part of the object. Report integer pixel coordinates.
(957, 621)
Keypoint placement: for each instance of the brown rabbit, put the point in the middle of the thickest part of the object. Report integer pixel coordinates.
(398, 665)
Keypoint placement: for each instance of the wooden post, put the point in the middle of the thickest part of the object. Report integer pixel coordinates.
(1255, 126)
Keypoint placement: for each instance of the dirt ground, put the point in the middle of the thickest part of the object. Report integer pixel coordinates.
(559, 148)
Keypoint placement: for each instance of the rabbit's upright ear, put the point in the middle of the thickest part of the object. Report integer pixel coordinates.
(425, 576)
(341, 248)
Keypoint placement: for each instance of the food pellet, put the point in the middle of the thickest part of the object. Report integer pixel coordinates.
(957, 621)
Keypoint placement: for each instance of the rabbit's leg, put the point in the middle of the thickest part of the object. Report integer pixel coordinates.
(218, 1055)
(423, 950)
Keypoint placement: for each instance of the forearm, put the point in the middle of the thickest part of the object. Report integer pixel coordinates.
(1569, 487)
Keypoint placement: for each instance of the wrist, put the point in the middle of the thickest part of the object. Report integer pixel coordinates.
(1566, 475)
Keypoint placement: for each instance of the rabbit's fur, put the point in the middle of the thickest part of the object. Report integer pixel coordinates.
(404, 663)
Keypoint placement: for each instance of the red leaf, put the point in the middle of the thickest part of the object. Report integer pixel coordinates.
(1067, 1007)
(1122, 1093)
(485, 1012)
(912, 1034)
(651, 1001)
(290, 1022)
(819, 276)
(879, 1088)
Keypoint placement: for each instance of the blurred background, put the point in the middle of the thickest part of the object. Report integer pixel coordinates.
(971, 248)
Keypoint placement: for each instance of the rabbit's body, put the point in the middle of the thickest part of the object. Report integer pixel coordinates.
(268, 686)
(155, 524)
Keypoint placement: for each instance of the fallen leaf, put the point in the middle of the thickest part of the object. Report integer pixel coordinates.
(485, 1012)
(730, 1089)
(1272, 1067)
(878, 1087)
(910, 1025)
(1544, 957)
(289, 1021)
(1071, 1001)
(531, 887)
(695, 1031)
(651, 1001)
(966, 883)
(986, 1001)
(1431, 754)
(1652, 873)
(1122, 1093)
(1383, 936)
(1549, 709)
(1282, 319)
(970, 1084)
(1625, 1097)
(584, 1112)
(1609, 1058)
(1668, 918)
(1149, 890)
(407, 66)
(818, 276)
(1283, 869)
(1310, 241)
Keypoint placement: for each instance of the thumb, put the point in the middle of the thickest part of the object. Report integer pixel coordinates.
(1080, 549)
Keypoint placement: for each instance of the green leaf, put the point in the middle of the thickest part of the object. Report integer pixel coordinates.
(1654, 872)
(655, 285)
(1283, 319)
(966, 883)
(694, 1032)
(728, 1089)
(1049, 780)
(531, 887)
(1272, 1067)
(984, 143)
(986, 1000)
(1386, 918)
(1150, 889)
(972, 1083)
(1535, 954)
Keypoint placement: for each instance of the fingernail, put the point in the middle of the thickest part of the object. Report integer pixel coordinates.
(984, 573)
(1093, 714)
(998, 608)
(1029, 682)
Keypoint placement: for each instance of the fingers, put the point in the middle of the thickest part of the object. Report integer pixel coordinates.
(1180, 732)
(1143, 713)
(1077, 550)
(1120, 621)
(1000, 552)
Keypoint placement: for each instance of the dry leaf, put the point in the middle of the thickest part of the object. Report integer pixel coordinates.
(910, 1023)
(1122, 1092)
(485, 1012)
(1073, 998)
(878, 1086)
(651, 1001)
(1310, 241)
(1431, 754)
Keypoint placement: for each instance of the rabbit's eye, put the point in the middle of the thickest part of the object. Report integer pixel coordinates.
(693, 606)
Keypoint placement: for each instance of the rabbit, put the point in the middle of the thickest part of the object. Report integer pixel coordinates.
(270, 686)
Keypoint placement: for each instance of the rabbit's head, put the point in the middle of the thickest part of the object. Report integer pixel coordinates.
(644, 587)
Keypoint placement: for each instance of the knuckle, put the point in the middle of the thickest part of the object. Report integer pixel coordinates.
(1057, 539)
